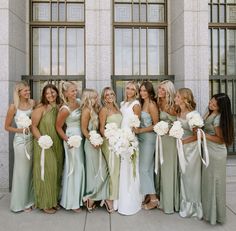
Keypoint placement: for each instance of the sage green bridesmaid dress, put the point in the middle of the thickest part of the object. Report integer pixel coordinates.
(115, 173)
(147, 143)
(22, 195)
(214, 176)
(47, 192)
(97, 180)
(190, 181)
(169, 172)
(73, 187)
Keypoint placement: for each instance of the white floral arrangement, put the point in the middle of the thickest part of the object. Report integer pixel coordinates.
(45, 142)
(161, 128)
(110, 130)
(134, 121)
(176, 130)
(95, 138)
(23, 121)
(194, 120)
(74, 141)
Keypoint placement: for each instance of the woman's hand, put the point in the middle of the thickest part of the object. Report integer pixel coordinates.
(136, 130)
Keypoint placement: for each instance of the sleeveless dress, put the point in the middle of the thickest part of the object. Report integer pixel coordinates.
(115, 174)
(22, 195)
(47, 192)
(73, 187)
(214, 176)
(130, 199)
(147, 143)
(190, 181)
(169, 173)
(97, 181)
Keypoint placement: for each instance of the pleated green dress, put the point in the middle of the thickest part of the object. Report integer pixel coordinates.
(214, 177)
(114, 173)
(169, 172)
(47, 192)
(73, 187)
(190, 181)
(147, 144)
(97, 180)
(22, 195)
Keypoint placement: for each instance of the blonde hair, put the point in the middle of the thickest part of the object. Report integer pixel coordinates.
(18, 87)
(135, 84)
(170, 92)
(64, 86)
(103, 97)
(187, 96)
(87, 101)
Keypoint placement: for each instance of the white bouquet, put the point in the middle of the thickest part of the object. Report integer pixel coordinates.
(194, 120)
(74, 141)
(23, 121)
(110, 131)
(134, 121)
(95, 138)
(176, 130)
(45, 142)
(161, 128)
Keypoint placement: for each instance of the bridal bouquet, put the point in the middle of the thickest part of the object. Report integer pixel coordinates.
(176, 130)
(45, 142)
(161, 128)
(74, 141)
(134, 121)
(110, 132)
(95, 138)
(194, 120)
(23, 121)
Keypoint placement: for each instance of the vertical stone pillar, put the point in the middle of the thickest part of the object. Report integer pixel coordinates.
(12, 66)
(188, 42)
(98, 43)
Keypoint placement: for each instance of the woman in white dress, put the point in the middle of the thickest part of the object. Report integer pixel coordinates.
(130, 199)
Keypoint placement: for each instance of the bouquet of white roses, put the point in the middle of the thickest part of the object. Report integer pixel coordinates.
(194, 120)
(23, 121)
(134, 121)
(161, 128)
(176, 130)
(74, 142)
(45, 142)
(95, 138)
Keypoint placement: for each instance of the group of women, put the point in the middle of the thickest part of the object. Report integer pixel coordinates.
(199, 191)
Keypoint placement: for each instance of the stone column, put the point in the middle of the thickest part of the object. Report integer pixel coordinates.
(12, 66)
(98, 43)
(188, 43)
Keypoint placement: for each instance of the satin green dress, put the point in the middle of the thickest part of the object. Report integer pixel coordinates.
(214, 176)
(115, 173)
(97, 180)
(190, 181)
(47, 192)
(22, 195)
(73, 187)
(169, 172)
(147, 144)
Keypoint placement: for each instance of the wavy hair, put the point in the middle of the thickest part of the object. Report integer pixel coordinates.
(18, 87)
(103, 94)
(170, 93)
(226, 117)
(187, 96)
(88, 101)
(150, 90)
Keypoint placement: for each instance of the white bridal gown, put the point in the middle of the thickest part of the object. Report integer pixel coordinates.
(130, 199)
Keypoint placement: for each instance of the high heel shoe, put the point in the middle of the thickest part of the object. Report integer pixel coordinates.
(90, 207)
(154, 203)
(108, 208)
(146, 200)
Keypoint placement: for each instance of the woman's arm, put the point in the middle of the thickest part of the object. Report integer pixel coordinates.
(189, 139)
(9, 119)
(36, 117)
(137, 110)
(85, 117)
(102, 120)
(217, 138)
(61, 118)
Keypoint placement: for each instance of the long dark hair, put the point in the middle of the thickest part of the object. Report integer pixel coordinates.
(226, 117)
(150, 90)
(44, 101)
